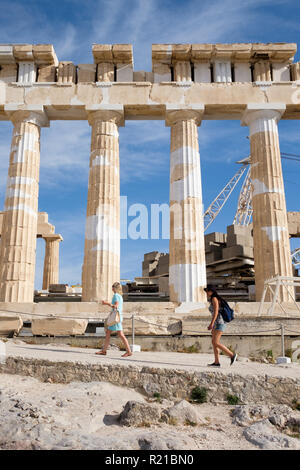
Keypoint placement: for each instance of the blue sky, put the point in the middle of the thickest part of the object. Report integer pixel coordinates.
(72, 26)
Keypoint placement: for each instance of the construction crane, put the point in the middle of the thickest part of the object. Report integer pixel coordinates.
(218, 203)
(244, 210)
(243, 215)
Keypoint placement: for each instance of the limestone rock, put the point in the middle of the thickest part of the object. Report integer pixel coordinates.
(165, 441)
(266, 436)
(183, 413)
(243, 415)
(10, 325)
(293, 423)
(279, 415)
(139, 414)
(58, 326)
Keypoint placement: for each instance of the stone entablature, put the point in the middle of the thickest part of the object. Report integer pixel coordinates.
(205, 63)
(200, 63)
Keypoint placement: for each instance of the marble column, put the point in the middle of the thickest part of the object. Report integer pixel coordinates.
(19, 229)
(101, 266)
(272, 255)
(51, 261)
(187, 271)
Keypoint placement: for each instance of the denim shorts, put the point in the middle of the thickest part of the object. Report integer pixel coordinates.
(219, 326)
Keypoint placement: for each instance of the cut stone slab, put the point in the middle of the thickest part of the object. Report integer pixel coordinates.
(188, 307)
(294, 223)
(242, 324)
(252, 308)
(10, 325)
(152, 325)
(237, 250)
(58, 326)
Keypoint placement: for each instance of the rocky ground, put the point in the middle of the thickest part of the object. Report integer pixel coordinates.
(98, 415)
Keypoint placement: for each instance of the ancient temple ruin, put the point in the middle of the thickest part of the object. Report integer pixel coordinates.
(258, 84)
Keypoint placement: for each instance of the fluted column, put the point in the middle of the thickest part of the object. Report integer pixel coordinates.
(19, 229)
(101, 266)
(272, 255)
(51, 260)
(187, 271)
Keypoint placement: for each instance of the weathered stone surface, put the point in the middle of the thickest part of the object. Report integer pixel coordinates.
(8, 73)
(294, 223)
(34, 415)
(183, 413)
(101, 265)
(139, 414)
(2, 352)
(266, 436)
(237, 250)
(86, 73)
(293, 422)
(270, 224)
(58, 326)
(166, 441)
(47, 73)
(295, 71)
(243, 415)
(279, 415)
(152, 325)
(66, 72)
(18, 239)
(10, 325)
(58, 288)
(252, 308)
(51, 262)
(187, 274)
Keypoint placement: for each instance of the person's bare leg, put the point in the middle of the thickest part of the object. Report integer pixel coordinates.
(106, 343)
(216, 351)
(221, 346)
(126, 344)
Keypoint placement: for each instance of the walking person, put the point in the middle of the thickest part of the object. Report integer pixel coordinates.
(217, 326)
(116, 303)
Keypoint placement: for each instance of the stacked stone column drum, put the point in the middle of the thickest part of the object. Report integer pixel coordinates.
(18, 240)
(187, 255)
(101, 267)
(272, 254)
(51, 262)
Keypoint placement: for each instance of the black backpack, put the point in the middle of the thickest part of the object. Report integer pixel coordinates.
(226, 311)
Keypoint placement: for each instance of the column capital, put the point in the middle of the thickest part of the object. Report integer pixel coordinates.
(112, 113)
(266, 111)
(53, 237)
(35, 114)
(176, 113)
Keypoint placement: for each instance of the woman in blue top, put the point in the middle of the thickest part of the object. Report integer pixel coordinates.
(117, 303)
